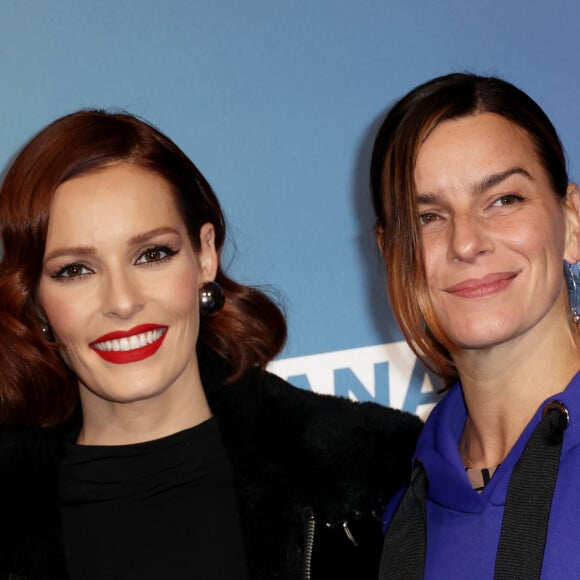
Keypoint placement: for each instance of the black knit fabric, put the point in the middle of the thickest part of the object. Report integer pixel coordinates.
(161, 509)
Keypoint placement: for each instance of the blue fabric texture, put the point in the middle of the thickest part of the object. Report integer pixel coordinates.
(463, 526)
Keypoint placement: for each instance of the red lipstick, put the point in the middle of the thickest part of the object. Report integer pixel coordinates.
(127, 346)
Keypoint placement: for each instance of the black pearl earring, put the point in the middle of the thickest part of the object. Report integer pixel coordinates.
(46, 331)
(211, 298)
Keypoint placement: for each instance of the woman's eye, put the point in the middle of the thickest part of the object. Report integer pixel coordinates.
(72, 271)
(156, 254)
(510, 199)
(428, 217)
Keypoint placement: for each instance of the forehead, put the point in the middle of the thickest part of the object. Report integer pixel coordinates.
(111, 203)
(477, 144)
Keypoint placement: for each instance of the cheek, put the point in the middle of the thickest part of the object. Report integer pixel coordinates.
(542, 238)
(434, 258)
(182, 295)
(65, 318)
(68, 324)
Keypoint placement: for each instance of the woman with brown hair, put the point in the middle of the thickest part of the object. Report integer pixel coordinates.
(141, 435)
(476, 213)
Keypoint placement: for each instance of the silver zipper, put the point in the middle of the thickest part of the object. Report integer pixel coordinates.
(309, 528)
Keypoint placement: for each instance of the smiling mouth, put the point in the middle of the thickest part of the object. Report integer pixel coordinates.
(481, 287)
(130, 343)
(134, 345)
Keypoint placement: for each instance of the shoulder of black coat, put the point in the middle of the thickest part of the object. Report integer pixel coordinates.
(327, 450)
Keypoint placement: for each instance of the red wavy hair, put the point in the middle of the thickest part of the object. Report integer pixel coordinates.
(36, 387)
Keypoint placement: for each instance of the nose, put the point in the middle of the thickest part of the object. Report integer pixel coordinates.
(468, 239)
(121, 296)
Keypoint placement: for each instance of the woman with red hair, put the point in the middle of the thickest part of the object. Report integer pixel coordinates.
(141, 435)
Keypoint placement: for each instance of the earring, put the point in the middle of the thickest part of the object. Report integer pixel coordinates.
(573, 295)
(211, 298)
(46, 331)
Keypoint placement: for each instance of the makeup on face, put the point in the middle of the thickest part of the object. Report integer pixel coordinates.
(120, 286)
(136, 344)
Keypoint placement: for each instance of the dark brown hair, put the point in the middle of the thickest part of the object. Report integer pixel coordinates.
(36, 387)
(402, 133)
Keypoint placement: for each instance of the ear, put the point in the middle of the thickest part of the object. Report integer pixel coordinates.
(572, 219)
(208, 256)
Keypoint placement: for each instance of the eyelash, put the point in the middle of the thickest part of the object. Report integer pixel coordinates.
(513, 197)
(428, 217)
(65, 274)
(167, 250)
(75, 271)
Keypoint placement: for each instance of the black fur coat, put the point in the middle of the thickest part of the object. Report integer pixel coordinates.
(312, 474)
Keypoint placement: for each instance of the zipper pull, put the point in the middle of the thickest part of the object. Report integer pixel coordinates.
(349, 533)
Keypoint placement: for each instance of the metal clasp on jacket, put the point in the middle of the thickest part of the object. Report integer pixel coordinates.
(344, 525)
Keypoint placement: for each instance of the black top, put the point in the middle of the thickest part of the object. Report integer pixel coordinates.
(292, 451)
(160, 509)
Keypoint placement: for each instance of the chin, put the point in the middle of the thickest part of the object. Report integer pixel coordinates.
(131, 396)
(482, 341)
(481, 336)
(128, 390)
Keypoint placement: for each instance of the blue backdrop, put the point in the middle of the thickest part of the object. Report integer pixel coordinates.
(277, 102)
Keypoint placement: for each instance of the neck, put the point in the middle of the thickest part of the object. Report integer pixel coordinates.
(503, 387)
(122, 423)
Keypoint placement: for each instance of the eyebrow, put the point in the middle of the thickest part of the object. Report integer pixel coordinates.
(486, 183)
(91, 251)
(145, 237)
(497, 178)
(73, 250)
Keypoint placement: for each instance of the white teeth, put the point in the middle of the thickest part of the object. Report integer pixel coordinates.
(131, 343)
